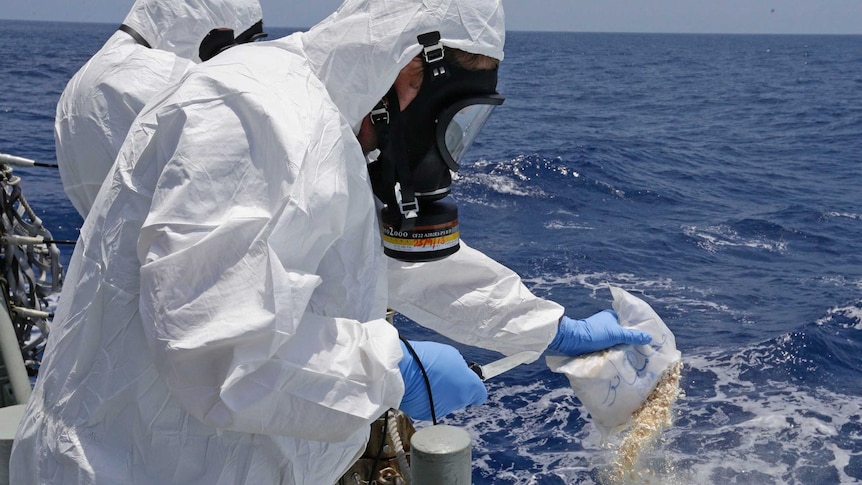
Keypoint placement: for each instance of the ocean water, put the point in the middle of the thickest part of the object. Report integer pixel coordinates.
(717, 177)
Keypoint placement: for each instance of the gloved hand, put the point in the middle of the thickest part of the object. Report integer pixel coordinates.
(453, 384)
(598, 332)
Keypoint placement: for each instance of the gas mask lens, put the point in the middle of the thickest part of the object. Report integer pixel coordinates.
(460, 124)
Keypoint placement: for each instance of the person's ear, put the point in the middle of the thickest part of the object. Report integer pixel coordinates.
(409, 81)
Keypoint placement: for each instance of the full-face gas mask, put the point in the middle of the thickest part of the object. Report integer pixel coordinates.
(218, 40)
(421, 146)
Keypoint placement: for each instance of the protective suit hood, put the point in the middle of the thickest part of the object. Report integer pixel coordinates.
(358, 51)
(179, 26)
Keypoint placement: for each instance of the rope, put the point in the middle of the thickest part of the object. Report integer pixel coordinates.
(403, 465)
(382, 446)
(30, 268)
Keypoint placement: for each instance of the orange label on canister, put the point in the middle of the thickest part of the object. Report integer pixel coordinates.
(421, 238)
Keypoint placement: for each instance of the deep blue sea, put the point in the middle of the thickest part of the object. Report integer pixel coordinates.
(718, 177)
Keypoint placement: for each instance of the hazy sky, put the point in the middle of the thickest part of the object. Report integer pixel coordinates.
(707, 16)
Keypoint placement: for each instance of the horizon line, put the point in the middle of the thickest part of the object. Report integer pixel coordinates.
(522, 30)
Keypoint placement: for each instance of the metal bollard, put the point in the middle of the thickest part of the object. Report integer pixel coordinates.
(441, 455)
(10, 416)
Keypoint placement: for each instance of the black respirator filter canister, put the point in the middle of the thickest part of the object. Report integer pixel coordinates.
(434, 234)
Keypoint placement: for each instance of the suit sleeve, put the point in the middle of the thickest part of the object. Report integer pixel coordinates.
(474, 300)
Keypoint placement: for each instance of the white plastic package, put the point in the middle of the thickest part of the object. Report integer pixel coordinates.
(612, 384)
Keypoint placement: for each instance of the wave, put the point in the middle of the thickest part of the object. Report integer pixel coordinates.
(846, 215)
(717, 237)
(763, 414)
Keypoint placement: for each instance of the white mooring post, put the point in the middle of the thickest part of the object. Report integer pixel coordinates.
(10, 416)
(440, 455)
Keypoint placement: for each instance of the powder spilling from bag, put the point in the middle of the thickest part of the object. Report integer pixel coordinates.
(648, 422)
(628, 390)
(614, 383)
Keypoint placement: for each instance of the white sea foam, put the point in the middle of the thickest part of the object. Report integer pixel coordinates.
(493, 203)
(847, 215)
(727, 430)
(715, 238)
(512, 176)
(598, 282)
(674, 296)
(503, 184)
(851, 313)
(563, 225)
(562, 212)
(730, 428)
(566, 220)
(835, 280)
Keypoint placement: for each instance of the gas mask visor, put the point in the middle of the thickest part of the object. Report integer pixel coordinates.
(460, 124)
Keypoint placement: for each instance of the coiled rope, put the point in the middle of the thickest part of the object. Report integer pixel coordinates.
(400, 455)
(30, 268)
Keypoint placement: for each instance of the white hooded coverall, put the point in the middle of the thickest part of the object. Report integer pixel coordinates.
(102, 99)
(222, 321)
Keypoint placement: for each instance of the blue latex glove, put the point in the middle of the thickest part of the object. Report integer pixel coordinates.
(598, 332)
(453, 384)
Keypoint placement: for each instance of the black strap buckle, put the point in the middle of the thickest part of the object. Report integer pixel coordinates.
(409, 208)
(432, 48)
(380, 113)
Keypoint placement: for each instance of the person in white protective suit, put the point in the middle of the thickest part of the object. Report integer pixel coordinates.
(155, 45)
(223, 319)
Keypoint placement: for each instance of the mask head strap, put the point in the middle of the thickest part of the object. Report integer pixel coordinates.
(433, 54)
(252, 34)
(135, 35)
(394, 179)
(218, 40)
